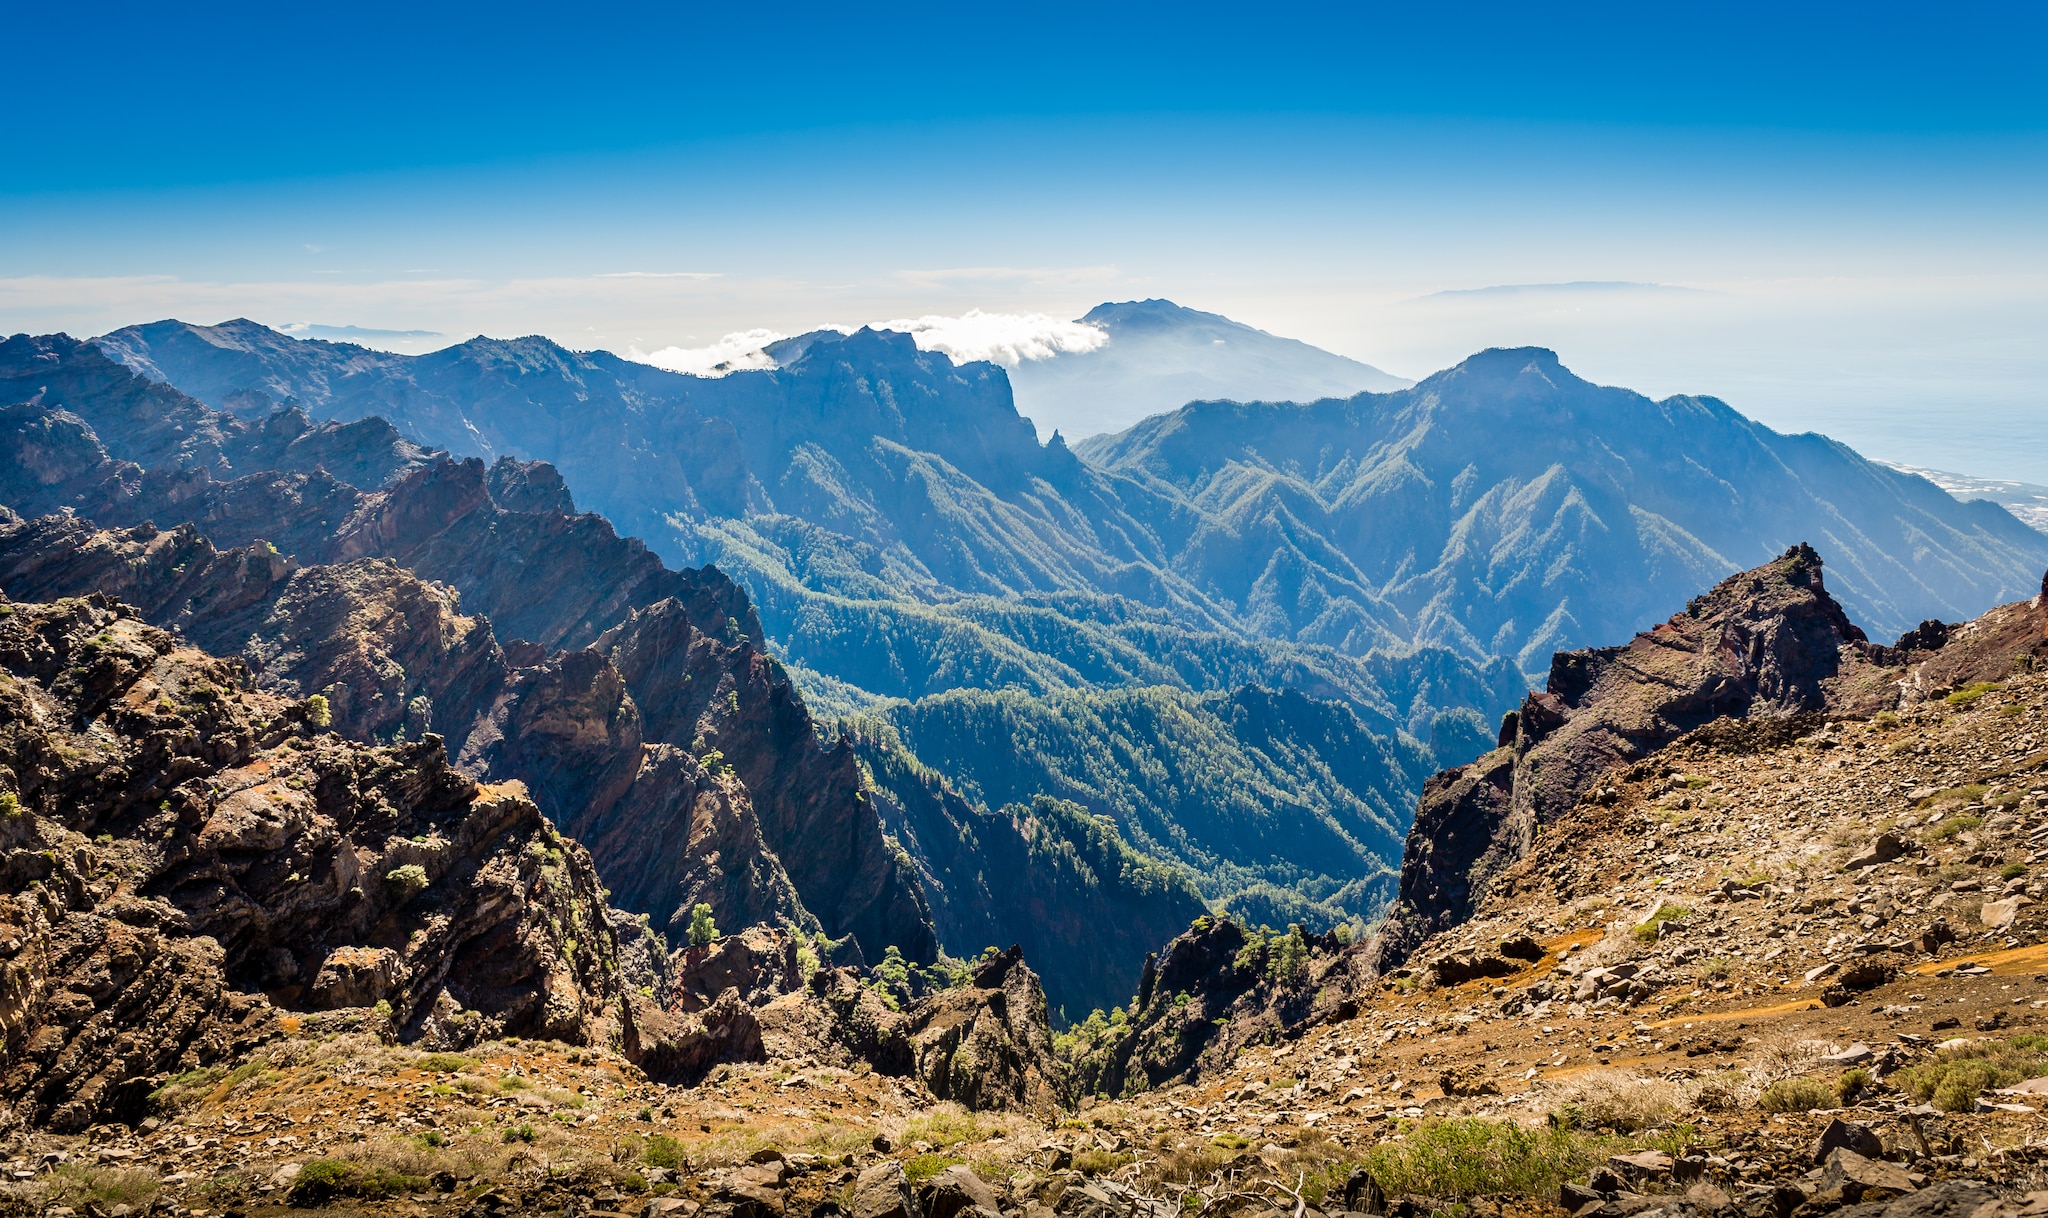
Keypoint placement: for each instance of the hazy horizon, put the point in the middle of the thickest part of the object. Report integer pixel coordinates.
(1832, 219)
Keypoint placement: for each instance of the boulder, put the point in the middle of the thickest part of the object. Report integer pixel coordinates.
(1641, 1165)
(1882, 849)
(1363, 1194)
(1946, 1199)
(1847, 1135)
(955, 1189)
(883, 1191)
(1860, 1178)
(1998, 915)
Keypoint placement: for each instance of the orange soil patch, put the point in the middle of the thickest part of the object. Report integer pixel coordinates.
(2002, 963)
(1782, 1008)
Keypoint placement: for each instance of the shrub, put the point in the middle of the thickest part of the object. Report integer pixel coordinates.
(443, 1063)
(1610, 1099)
(664, 1151)
(1455, 1159)
(1796, 1095)
(1956, 1077)
(318, 712)
(406, 882)
(320, 1181)
(1649, 931)
(99, 1189)
(1853, 1083)
(702, 930)
(2012, 871)
(1099, 1162)
(520, 1133)
(10, 804)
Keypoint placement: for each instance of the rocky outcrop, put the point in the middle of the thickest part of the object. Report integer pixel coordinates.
(679, 1048)
(714, 692)
(185, 862)
(1762, 658)
(774, 828)
(1214, 990)
(987, 1045)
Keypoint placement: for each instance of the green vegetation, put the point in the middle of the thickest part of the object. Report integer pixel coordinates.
(1953, 825)
(406, 882)
(921, 1168)
(1956, 1077)
(2012, 871)
(100, 1189)
(318, 712)
(520, 1133)
(10, 804)
(1649, 931)
(703, 931)
(1853, 1083)
(1967, 794)
(1803, 1094)
(1095, 1162)
(1969, 694)
(664, 1151)
(1458, 1159)
(444, 1063)
(1136, 807)
(324, 1180)
(988, 871)
(1223, 785)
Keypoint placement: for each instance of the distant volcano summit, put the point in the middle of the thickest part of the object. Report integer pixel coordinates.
(1161, 356)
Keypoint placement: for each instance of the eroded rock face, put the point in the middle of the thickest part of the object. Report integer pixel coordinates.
(987, 1045)
(178, 846)
(1767, 644)
(724, 774)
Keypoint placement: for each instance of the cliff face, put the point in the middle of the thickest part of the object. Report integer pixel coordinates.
(1763, 657)
(392, 604)
(184, 863)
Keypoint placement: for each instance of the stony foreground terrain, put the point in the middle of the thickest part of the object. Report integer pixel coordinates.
(1788, 962)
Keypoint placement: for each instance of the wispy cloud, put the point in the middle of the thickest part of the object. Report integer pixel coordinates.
(661, 275)
(1576, 287)
(1036, 276)
(1005, 338)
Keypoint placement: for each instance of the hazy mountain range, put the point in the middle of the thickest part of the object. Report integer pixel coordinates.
(1008, 618)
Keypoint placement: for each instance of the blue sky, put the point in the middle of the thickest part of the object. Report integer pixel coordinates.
(1850, 198)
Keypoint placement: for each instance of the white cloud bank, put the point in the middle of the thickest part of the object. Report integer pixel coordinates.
(737, 352)
(1004, 338)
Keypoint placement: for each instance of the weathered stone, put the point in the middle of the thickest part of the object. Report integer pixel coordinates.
(1847, 1135)
(883, 1191)
(1998, 915)
(1641, 1164)
(1859, 1177)
(955, 1189)
(1882, 849)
